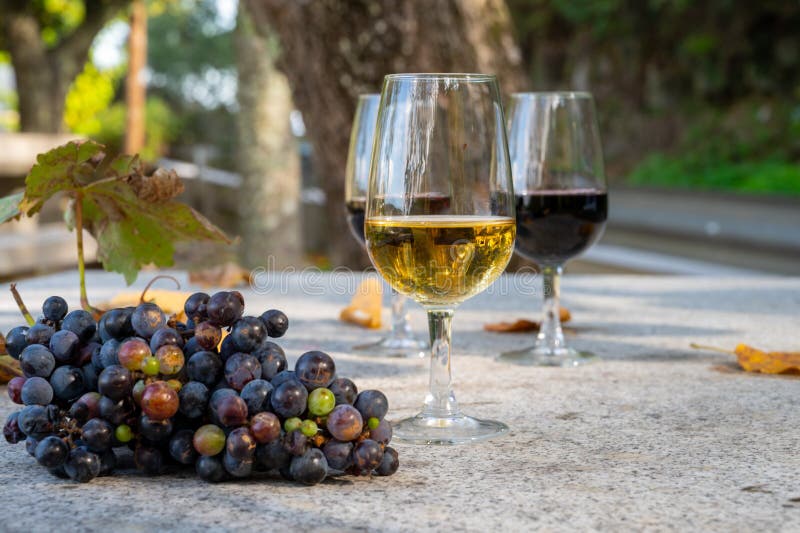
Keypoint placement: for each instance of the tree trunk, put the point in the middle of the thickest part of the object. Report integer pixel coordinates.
(333, 51)
(267, 154)
(135, 89)
(43, 75)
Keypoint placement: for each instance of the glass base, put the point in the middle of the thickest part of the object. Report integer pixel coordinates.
(541, 356)
(458, 429)
(394, 347)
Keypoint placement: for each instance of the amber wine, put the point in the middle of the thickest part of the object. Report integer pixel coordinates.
(440, 260)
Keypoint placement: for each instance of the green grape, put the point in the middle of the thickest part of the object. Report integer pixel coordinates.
(209, 440)
(291, 424)
(321, 402)
(124, 433)
(150, 366)
(373, 423)
(308, 428)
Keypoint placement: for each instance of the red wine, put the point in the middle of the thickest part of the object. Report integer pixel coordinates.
(355, 215)
(554, 226)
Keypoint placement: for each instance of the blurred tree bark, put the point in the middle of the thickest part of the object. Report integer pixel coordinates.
(267, 158)
(44, 73)
(333, 51)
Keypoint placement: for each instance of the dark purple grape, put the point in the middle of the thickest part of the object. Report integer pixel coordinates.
(191, 347)
(195, 306)
(147, 318)
(337, 453)
(248, 333)
(64, 346)
(344, 390)
(181, 447)
(241, 444)
(193, 399)
(81, 323)
(224, 308)
(97, 435)
(265, 427)
(205, 367)
(273, 456)
(164, 336)
(37, 391)
(241, 369)
(296, 443)
(82, 465)
(389, 464)
(283, 377)
(88, 353)
(68, 382)
(315, 369)
(367, 455)
(272, 359)
(116, 324)
(34, 421)
(148, 460)
(383, 433)
(86, 407)
(216, 397)
(276, 321)
(256, 395)
(310, 468)
(115, 382)
(36, 360)
(109, 353)
(90, 376)
(237, 467)
(108, 462)
(372, 404)
(227, 348)
(289, 399)
(115, 412)
(210, 469)
(15, 389)
(51, 452)
(54, 308)
(344, 423)
(232, 411)
(154, 430)
(40, 334)
(16, 341)
(11, 430)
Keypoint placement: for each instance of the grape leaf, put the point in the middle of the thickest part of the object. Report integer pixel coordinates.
(133, 217)
(9, 207)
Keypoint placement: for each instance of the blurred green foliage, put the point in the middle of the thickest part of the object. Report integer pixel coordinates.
(691, 94)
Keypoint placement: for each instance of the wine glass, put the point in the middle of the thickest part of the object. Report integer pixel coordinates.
(562, 201)
(440, 218)
(400, 342)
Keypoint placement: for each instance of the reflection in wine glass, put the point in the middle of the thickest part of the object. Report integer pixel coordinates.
(561, 198)
(400, 342)
(440, 219)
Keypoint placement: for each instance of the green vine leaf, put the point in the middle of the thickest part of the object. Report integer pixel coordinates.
(9, 207)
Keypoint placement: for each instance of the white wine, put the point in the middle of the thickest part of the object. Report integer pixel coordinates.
(440, 260)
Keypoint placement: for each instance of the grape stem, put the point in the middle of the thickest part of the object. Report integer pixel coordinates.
(710, 348)
(22, 308)
(81, 264)
(150, 284)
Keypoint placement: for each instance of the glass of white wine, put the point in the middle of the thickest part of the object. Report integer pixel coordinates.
(440, 218)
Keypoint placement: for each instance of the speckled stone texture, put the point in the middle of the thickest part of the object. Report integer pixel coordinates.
(655, 437)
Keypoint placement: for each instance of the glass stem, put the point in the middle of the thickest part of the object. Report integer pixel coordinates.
(440, 401)
(401, 328)
(551, 337)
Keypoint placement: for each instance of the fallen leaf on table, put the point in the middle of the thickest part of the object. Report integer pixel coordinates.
(171, 302)
(226, 276)
(522, 325)
(754, 360)
(365, 307)
(9, 368)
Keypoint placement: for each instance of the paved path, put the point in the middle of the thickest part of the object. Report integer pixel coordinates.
(655, 437)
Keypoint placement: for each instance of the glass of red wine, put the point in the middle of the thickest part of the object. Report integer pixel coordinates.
(562, 201)
(400, 342)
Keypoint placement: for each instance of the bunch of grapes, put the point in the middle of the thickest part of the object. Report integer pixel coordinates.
(166, 394)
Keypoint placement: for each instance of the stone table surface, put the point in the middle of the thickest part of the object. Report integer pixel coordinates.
(656, 436)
